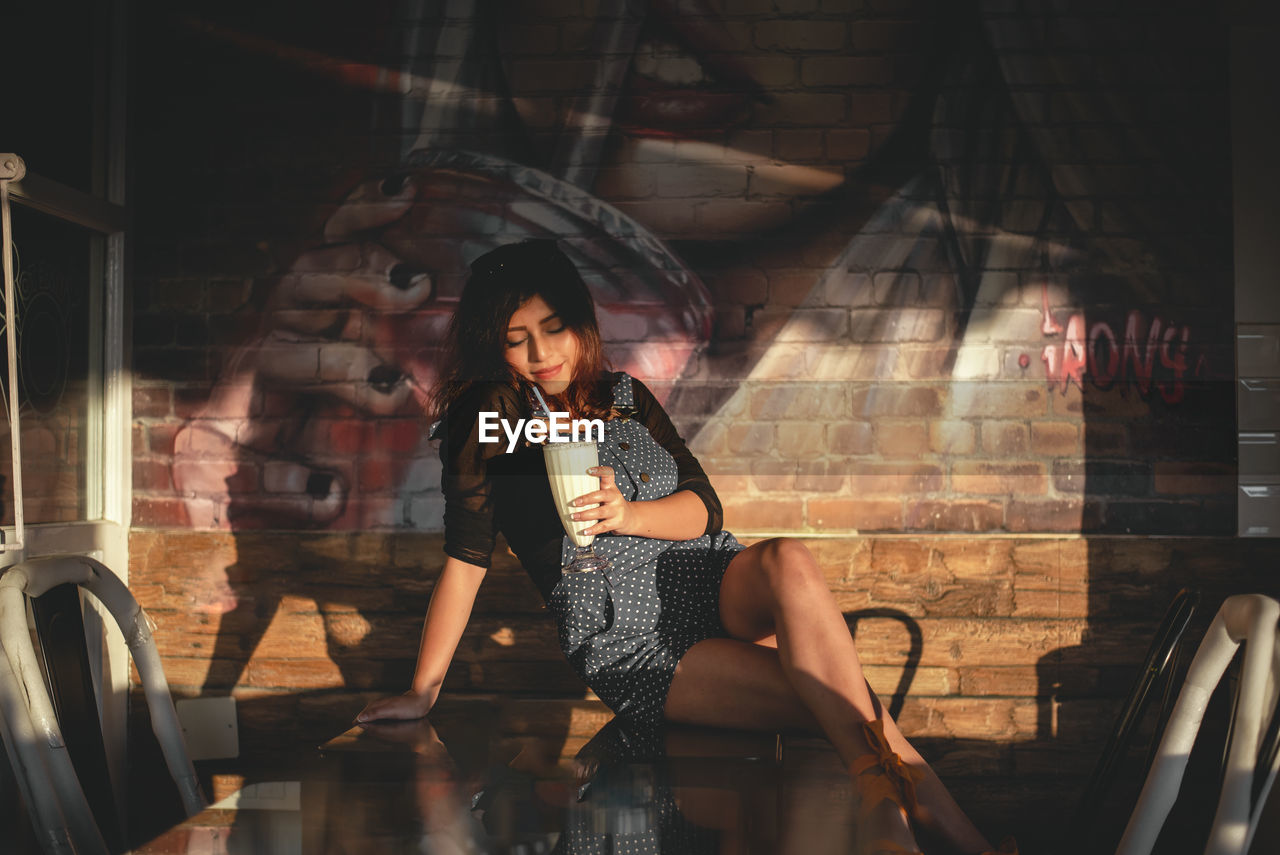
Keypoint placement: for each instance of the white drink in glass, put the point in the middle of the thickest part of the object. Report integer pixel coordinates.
(567, 464)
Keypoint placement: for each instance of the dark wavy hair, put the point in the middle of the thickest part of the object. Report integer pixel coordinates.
(501, 281)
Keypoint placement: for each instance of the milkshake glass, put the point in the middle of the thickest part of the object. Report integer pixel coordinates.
(567, 464)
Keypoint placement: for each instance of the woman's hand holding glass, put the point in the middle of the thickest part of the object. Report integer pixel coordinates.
(612, 512)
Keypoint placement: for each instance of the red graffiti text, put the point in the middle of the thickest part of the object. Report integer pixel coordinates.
(1149, 355)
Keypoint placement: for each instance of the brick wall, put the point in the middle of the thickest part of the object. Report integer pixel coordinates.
(999, 618)
(1015, 652)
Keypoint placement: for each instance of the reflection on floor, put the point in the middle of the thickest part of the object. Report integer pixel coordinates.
(506, 776)
(464, 783)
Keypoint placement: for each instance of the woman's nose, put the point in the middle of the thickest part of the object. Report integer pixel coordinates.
(537, 348)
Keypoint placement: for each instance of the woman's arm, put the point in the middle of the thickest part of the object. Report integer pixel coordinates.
(689, 473)
(447, 616)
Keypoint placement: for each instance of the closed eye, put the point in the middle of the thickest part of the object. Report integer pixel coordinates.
(546, 329)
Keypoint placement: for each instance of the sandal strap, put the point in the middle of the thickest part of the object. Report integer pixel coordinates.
(875, 788)
(905, 777)
(864, 763)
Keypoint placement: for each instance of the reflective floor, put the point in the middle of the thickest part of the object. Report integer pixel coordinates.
(529, 776)
(462, 782)
(526, 777)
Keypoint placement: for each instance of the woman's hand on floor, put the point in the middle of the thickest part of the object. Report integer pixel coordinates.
(410, 705)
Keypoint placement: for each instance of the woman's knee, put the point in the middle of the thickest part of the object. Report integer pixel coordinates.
(786, 562)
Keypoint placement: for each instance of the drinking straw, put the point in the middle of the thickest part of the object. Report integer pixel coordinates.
(545, 409)
(542, 401)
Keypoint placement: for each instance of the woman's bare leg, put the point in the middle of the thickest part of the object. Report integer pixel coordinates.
(775, 588)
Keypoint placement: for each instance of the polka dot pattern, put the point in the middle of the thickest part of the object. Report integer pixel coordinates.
(632, 810)
(624, 629)
(630, 805)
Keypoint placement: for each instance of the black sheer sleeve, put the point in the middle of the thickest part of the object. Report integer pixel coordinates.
(469, 526)
(689, 474)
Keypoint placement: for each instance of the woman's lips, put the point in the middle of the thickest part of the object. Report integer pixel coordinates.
(701, 28)
(548, 373)
(653, 108)
(659, 104)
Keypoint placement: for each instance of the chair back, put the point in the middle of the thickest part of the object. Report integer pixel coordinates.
(32, 733)
(1159, 666)
(1244, 618)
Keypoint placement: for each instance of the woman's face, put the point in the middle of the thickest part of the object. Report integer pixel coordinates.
(731, 115)
(540, 347)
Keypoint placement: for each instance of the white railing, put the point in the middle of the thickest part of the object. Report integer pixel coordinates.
(12, 169)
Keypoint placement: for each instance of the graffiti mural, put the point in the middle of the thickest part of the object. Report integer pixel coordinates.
(824, 233)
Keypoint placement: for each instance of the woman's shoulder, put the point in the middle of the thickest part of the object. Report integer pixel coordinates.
(624, 388)
(633, 393)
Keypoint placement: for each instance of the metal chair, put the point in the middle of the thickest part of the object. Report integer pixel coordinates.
(1252, 760)
(1159, 666)
(63, 818)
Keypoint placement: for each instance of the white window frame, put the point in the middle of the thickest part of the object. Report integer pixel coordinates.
(104, 532)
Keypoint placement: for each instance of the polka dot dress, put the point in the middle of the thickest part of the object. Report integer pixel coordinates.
(624, 629)
(632, 810)
(630, 807)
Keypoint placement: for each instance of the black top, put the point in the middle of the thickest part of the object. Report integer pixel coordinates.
(488, 490)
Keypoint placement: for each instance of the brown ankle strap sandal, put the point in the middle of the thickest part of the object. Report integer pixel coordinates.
(896, 773)
(881, 776)
(884, 775)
